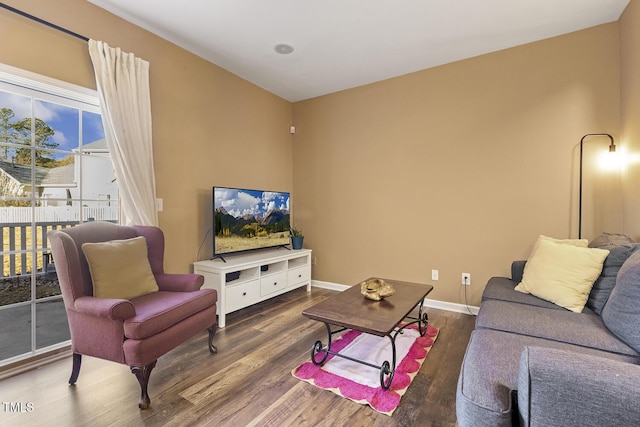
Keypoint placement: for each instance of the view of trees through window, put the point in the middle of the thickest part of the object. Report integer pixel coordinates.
(55, 172)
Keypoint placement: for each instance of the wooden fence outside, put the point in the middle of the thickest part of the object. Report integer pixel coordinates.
(19, 242)
(24, 215)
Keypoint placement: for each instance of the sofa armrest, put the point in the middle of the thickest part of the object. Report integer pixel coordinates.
(517, 270)
(179, 282)
(559, 387)
(110, 308)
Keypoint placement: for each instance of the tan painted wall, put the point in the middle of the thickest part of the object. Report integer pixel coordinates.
(210, 127)
(630, 114)
(457, 168)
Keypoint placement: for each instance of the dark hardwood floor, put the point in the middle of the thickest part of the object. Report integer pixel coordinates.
(248, 383)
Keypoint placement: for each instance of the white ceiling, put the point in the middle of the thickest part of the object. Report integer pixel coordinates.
(340, 44)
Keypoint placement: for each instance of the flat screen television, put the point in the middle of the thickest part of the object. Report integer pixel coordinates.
(246, 220)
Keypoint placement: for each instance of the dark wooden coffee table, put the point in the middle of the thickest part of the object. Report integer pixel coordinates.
(351, 310)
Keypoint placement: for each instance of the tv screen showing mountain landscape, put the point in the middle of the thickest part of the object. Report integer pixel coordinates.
(249, 219)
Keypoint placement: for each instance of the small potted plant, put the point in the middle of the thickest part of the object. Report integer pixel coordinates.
(296, 238)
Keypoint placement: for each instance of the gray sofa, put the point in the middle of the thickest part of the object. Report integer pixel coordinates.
(530, 362)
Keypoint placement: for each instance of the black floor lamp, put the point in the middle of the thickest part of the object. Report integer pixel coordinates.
(612, 149)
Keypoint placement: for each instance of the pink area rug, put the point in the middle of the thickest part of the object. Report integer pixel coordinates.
(361, 383)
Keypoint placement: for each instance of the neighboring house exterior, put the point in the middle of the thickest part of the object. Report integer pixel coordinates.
(99, 185)
(59, 186)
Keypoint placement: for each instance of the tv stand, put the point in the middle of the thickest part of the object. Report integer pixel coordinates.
(285, 271)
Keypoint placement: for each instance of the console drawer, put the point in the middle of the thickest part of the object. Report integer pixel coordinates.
(273, 283)
(299, 275)
(242, 295)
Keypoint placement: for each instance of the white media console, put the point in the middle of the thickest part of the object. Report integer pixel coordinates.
(246, 279)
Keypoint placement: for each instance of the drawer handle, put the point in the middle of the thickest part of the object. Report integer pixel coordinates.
(299, 275)
(244, 294)
(275, 283)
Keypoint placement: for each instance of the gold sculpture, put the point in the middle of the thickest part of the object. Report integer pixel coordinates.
(376, 289)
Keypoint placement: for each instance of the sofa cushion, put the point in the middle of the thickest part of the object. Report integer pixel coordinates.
(120, 268)
(621, 313)
(158, 311)
(563, 274)
(610, 240)
(489, 374)
(565, 388)
(603, 286)
(502, 289)
(517, 270)
(586, 330)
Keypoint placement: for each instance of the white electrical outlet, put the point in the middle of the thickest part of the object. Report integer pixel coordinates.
(466, 279)
(434, 274)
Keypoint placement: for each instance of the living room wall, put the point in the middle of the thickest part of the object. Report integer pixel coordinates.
(630, 115)
(456, 168)
(210, 127)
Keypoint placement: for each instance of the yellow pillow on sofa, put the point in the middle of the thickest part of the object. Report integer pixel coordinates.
(562, 273)
(583, 243)
(120, 268)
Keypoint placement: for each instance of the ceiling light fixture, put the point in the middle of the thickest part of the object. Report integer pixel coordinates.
(283, 48)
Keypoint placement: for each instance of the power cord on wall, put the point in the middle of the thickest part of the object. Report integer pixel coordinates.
(204, 239)
(466, 303)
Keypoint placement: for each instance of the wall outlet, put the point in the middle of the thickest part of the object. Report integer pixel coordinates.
(314, 260)
(466, 279)
(434, 274)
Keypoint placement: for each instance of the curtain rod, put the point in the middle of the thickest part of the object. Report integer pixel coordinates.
(43, 22)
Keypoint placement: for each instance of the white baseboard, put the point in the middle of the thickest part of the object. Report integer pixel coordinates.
(451, 306)
(431, 303)
(36, 363)
(329, 285)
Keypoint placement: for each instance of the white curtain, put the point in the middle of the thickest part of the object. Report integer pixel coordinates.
(123, 87)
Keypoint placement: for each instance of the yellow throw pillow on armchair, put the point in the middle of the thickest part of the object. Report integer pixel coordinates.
(120, 268)
(562, 273)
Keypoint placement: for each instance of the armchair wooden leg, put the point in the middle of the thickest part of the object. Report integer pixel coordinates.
(77, 361)
(143, 373)
(212, 332)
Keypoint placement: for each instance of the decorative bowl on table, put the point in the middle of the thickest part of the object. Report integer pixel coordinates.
(376, 289)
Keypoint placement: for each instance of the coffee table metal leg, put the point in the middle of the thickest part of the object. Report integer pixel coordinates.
(318, 348)
(423, 320)
(387, 370)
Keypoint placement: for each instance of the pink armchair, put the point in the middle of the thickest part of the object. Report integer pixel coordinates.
(133, 332)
